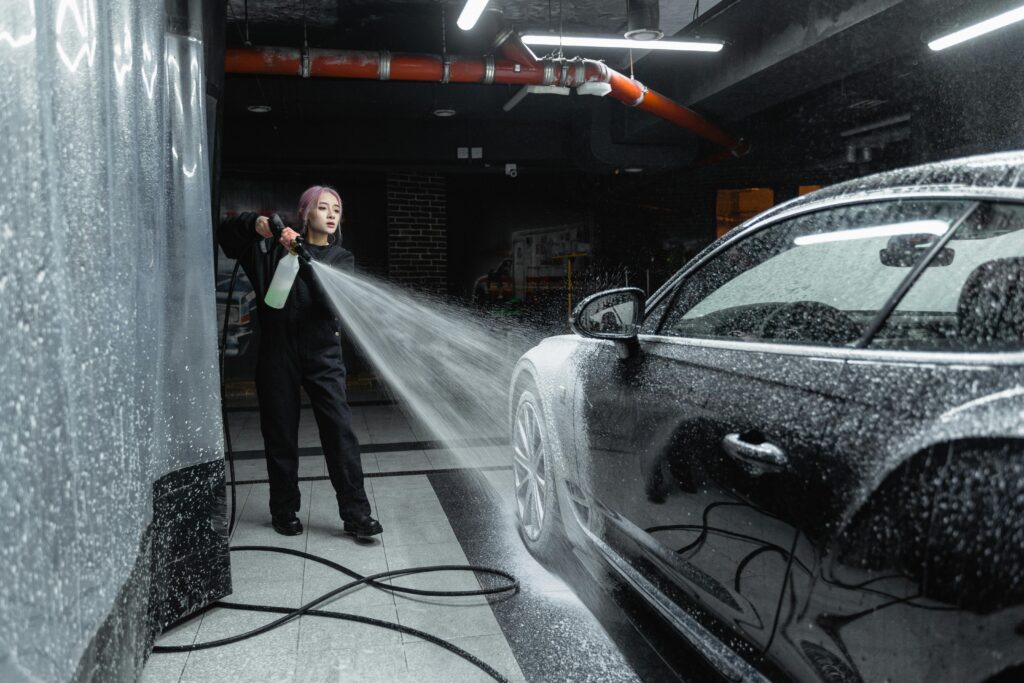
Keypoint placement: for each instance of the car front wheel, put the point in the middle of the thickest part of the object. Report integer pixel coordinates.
(536, 504)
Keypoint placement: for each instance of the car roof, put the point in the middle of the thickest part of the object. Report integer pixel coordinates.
(1002, 170)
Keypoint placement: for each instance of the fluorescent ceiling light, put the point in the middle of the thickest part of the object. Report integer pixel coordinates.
(910, 228)
(580, 41)
(471, 13)
(963, 35)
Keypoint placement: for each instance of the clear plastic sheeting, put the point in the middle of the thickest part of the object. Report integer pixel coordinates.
(108, 372)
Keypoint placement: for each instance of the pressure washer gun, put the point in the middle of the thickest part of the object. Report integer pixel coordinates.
(298, 244)
(287, 268)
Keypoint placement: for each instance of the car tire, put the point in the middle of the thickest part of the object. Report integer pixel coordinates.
(534, 480)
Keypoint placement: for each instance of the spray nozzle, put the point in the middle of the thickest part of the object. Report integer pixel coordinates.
(299, 247)
(298, 244)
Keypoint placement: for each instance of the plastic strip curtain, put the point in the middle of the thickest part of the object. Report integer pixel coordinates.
(108, 375)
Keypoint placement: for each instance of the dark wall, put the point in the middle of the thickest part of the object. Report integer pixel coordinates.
(638, 225)
(484, 211)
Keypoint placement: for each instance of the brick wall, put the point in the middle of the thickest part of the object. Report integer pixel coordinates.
(418, 230)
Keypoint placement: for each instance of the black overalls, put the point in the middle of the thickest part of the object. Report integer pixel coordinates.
(300, 347)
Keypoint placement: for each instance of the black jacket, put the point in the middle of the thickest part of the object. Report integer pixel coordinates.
(307, 314)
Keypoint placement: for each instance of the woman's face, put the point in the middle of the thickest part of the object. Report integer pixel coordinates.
(325, 215)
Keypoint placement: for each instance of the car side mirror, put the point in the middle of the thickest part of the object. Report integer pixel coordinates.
(615, 314)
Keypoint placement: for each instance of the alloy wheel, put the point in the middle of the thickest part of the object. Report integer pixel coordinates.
(530, 468)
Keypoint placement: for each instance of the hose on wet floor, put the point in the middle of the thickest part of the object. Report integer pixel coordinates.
(289, 614)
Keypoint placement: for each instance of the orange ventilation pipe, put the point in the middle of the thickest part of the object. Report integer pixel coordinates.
(519, 66)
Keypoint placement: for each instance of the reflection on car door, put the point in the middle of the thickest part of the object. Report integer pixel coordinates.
(715, 453)
(688, 485)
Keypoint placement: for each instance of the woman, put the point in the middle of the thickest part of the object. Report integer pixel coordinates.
(301, 347)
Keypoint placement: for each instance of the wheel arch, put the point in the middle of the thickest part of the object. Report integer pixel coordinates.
(949, 515)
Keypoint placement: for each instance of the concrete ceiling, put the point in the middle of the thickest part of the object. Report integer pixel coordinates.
(576, 16)
(777, 51)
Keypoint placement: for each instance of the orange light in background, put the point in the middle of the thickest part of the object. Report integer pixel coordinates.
(732, 207)
(807, 189)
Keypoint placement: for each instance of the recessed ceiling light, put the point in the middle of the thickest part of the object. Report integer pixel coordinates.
(444, 112)
(259, 108)
(582, 41)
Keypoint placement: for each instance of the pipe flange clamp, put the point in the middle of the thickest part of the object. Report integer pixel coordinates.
(549, 72)
(304, 61)
(489, 69)
(384, 69)
(503, 37)
(643, 95)
(446, 72)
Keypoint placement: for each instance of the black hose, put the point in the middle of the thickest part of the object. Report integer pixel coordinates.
(480, 664)
(229, 452)
(307, 609)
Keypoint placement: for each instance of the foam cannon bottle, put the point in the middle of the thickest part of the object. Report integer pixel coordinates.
(287, 268)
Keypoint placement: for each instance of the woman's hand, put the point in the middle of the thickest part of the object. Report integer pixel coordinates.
(263, 227)
(287, 237)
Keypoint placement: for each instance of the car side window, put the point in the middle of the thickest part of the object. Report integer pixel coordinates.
(819, 278)
(971, 296)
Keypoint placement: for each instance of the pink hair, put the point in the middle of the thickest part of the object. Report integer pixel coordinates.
(309, 199)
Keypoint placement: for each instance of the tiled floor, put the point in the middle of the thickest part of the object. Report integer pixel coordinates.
(417, 531)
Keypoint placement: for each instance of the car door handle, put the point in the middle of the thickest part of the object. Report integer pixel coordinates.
(757, 458)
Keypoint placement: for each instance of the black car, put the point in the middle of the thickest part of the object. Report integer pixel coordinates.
(806, 450)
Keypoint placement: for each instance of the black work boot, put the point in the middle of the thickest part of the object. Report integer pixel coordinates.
(287, 524)
(363, 527)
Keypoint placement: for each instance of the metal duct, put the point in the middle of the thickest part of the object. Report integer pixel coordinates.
(643, 20)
